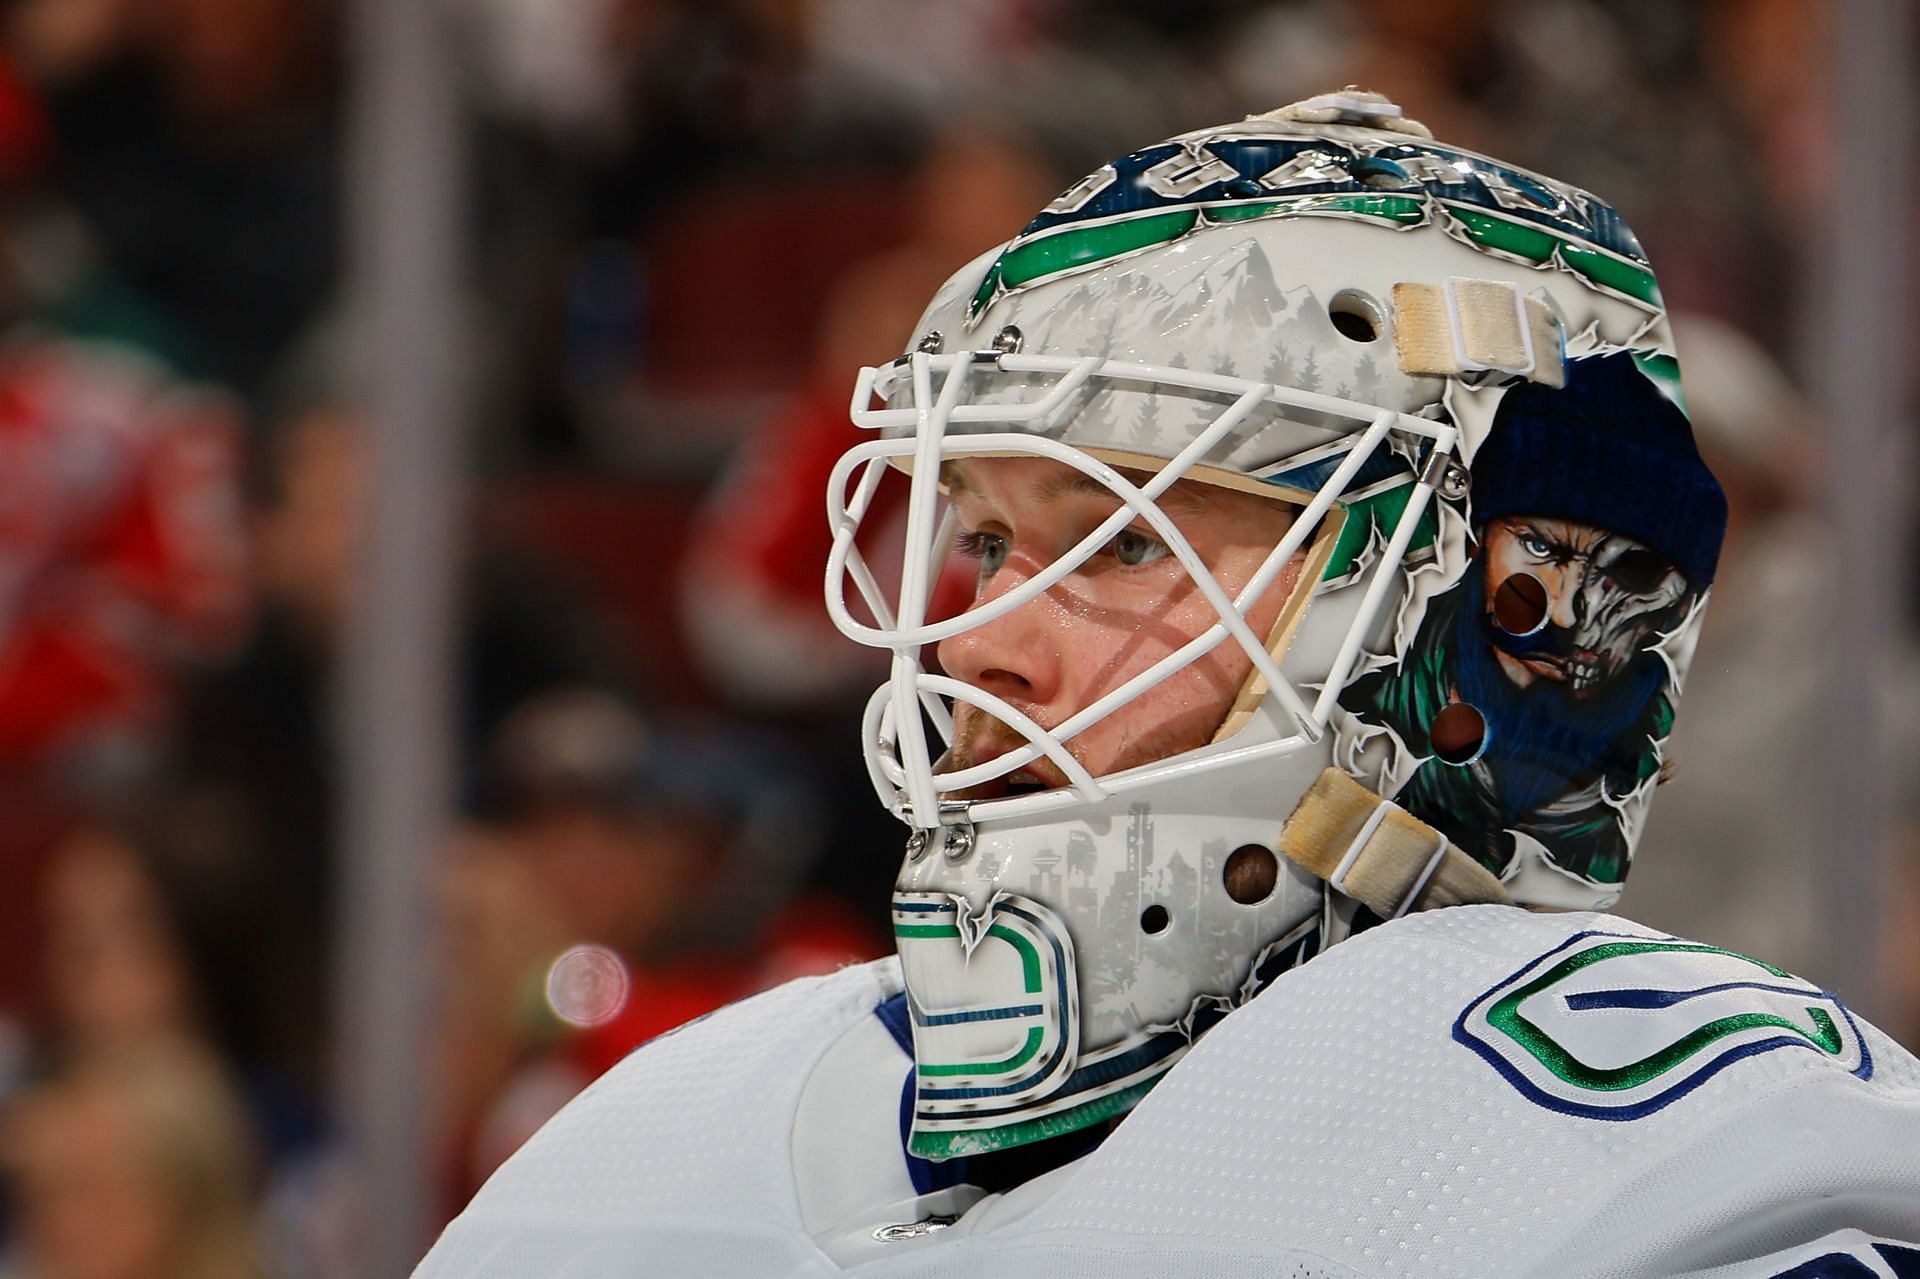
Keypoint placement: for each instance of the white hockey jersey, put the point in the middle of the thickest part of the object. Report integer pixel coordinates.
(1476, 1091)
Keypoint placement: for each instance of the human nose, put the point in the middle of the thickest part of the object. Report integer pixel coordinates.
(1563, 595)
(1016, 656)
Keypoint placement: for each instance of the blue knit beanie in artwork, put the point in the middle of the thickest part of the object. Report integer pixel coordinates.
(1609, 449)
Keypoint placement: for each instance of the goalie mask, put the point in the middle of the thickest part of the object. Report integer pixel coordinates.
(1305, 464)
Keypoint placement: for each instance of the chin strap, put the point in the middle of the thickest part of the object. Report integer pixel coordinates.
(1377, 853)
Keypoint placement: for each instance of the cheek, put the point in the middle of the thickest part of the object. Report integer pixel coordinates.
(1189, 615)
(1111, 632)
(1501, 557)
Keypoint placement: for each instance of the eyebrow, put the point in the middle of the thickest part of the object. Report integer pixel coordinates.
(1183, 495)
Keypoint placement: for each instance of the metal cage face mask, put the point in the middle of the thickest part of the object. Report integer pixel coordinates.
(935, 423)
(1063, 948)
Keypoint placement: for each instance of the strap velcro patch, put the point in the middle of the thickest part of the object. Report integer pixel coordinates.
(1379, 854)
(1465, 326)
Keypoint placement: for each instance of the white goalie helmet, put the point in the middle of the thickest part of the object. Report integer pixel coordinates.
(1456, 379)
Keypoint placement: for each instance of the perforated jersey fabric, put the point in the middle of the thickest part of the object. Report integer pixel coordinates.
(675, 1162)
(1341, 1124)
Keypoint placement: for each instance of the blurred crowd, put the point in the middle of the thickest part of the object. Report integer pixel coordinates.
(692, 220)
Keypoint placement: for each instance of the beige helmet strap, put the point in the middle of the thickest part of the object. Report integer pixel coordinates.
(1462, 326)
(1379, 854)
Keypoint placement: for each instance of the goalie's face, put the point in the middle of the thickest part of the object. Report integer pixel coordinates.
(1115, 615)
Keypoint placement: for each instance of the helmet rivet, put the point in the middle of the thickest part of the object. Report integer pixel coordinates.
(916, 845)
(930, 342)
(1007, 341)
(959, 843)
(1453, 482)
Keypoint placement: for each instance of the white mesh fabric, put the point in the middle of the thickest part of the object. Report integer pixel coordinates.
(677, 1161)
(1336, 1122)
(1099, 1254)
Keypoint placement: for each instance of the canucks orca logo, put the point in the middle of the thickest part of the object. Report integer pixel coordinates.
(1617, 1026)
(994, 1005)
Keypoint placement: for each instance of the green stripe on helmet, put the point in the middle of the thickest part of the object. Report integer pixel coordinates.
(1380, 510)
(1504, 235)
(1042, 258)
(1062, 251)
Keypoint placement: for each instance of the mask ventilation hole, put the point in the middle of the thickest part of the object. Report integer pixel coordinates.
(1458, 733)
(1154, 920)
(1356, 316)
(1250, 874)
(1520, 605)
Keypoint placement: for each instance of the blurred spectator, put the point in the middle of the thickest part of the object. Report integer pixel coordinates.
(196, 140)
(633, 877)
(171, 919)
(120, 545)
(559, 67)
(114, 971)
(1767, 60)
(931, 53)
(122, 567)
(1443, 60)
(750, 590)
(262, 723)
(132, 1163)
(171, 923)
(750, 593)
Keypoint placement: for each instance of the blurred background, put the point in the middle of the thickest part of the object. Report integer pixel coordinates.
(414, 686)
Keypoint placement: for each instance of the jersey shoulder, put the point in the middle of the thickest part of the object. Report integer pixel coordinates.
(1583, 1015)
(681, 1151)
(1483, 1090)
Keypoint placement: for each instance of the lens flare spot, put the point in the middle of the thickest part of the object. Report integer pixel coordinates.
(587, 985)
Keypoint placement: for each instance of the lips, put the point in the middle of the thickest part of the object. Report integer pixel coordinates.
(1581, 669)
(1028, 779)
(1546, 665)
(1018, 782)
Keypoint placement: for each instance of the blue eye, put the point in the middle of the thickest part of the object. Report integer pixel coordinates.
(1535, 546)
(988, 548)
(1134, 548)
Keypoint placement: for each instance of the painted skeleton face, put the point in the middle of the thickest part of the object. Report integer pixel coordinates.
(1605, 597)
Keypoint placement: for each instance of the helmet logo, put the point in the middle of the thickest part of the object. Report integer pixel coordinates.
(1185, 172)
(992, 994)
(1161, 194)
